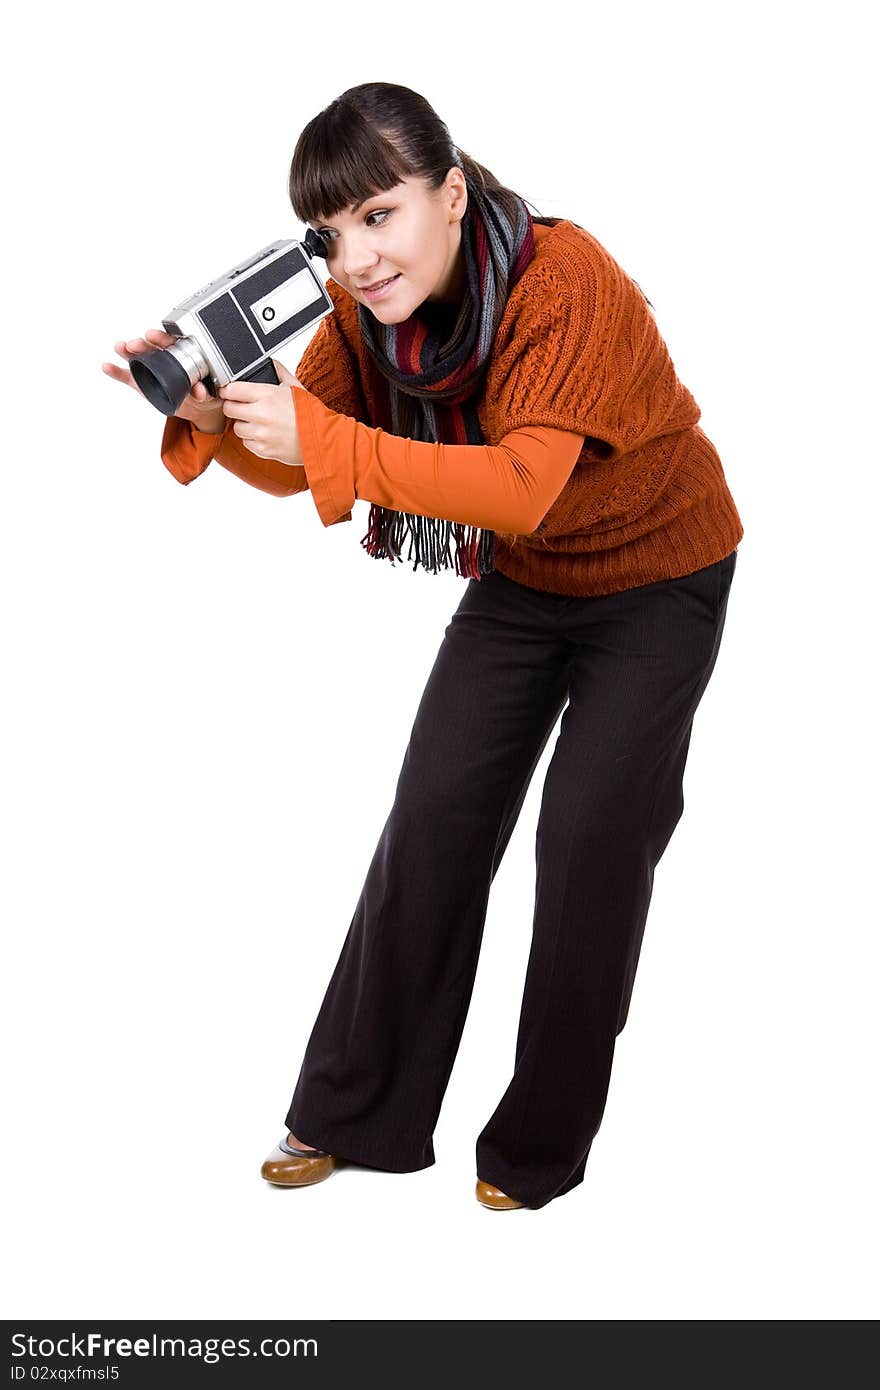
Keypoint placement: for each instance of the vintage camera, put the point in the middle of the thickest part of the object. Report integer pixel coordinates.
(228, 330)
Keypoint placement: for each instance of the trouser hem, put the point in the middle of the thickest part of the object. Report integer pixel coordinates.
(517, 1185)
(358, 1148)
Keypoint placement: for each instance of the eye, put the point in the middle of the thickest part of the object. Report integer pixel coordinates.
(326, 232)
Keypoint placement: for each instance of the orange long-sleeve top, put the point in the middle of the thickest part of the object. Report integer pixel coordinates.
(505, 487)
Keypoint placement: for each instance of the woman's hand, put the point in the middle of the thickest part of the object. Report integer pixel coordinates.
(265, 418)
(204, 410)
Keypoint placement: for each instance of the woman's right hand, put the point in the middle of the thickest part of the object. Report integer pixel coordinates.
(205, 411)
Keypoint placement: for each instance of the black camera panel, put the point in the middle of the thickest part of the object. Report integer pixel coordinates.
(223, 321)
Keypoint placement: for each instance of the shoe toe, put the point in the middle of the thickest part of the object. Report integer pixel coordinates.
(288, 1171)
(490, 1196)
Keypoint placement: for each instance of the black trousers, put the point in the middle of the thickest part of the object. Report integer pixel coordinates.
(627, 672)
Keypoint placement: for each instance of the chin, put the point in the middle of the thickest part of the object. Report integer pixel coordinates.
(388, 313)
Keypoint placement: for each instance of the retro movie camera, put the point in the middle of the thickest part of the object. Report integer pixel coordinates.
(228, 330)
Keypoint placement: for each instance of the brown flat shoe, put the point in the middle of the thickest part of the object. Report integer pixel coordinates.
(287, 1166)
(493, 1197)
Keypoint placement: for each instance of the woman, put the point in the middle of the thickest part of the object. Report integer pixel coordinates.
(496, 386)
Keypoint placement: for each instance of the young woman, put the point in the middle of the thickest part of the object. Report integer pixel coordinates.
(495, 385)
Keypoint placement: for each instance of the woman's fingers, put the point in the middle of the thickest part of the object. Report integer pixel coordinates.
(118, 374)
(127, 348)
(285, 377)
(155, 338)
(159, 338)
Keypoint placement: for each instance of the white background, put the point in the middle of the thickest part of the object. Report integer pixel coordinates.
(207, 694)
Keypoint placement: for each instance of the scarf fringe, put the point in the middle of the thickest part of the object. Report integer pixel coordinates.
(430, 539)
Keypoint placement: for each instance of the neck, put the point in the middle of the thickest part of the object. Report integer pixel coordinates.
(452, 288)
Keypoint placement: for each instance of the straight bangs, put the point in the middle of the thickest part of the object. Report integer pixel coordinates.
(339, 160)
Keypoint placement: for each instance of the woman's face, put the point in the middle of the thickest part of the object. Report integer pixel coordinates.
(407, 233)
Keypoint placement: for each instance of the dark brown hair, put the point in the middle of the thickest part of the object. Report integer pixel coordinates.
(368, 140)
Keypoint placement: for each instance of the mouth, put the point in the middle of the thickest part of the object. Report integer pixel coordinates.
(378, 286)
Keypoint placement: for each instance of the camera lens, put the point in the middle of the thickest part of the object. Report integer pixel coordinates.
(162, 379)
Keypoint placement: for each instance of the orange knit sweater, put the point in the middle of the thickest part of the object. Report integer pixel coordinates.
(595, 475)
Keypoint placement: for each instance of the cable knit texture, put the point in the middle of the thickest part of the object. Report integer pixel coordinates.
(579, 349)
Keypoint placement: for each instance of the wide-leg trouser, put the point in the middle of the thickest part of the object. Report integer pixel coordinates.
(627, 672)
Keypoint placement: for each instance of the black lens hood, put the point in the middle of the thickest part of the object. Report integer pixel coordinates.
(161, 378)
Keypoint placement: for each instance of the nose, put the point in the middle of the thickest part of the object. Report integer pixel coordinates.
(357, 259)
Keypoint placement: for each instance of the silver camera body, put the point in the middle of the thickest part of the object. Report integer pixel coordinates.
(229, 329)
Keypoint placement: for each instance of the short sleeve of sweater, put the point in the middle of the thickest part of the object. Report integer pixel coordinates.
(579, 349)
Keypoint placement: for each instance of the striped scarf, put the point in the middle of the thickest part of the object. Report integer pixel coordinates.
(428, 374)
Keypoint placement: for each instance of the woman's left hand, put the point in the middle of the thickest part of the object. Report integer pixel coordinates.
(265, 418)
